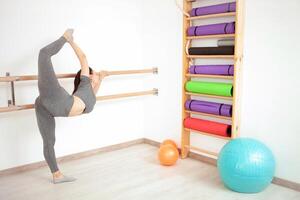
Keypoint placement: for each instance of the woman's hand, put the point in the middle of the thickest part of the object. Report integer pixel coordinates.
(69, 35)
(96, 79)
(102, 74)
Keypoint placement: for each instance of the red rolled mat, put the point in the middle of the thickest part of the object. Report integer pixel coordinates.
(208, 126)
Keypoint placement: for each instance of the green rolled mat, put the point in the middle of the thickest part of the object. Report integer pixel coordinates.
(219, 89)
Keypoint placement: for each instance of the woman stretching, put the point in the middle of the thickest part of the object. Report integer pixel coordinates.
(55, 101)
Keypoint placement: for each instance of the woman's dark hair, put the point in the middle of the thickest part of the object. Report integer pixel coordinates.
(77, 79)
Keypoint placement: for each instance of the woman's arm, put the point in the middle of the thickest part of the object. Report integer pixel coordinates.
(82, 59)
(79, 53)
(96, 85)
(97, 77)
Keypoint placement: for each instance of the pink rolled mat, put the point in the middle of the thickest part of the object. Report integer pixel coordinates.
(208, 126)
(212, 29)
(214, 9)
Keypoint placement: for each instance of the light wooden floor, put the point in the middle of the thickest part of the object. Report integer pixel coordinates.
(131, 173)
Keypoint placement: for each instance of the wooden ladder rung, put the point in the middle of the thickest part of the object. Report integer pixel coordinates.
(208, 115)
(211, 56)
(208, 134)
(202, 150)
(209, 76)
(227, 14)
(209, 96)
(210, 36)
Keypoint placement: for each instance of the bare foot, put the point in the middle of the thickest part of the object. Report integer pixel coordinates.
(69, 35)
(102, 74)
(57, 174)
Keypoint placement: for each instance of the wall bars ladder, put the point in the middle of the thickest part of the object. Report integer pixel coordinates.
(236, 58)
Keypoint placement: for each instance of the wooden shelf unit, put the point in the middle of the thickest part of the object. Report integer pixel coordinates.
(237, 58)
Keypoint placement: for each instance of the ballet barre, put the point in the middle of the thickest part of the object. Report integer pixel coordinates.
(11, 79)
(154, 91)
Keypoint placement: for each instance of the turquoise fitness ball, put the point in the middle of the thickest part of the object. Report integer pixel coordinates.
(246, 165)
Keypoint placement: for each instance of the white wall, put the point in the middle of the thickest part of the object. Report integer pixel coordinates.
(110, 34)
(271, 66)
(153, 32)
(271, 82)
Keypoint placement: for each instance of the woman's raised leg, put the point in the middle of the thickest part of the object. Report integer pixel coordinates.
(47, 81)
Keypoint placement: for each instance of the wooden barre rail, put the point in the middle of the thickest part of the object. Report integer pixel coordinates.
(99, 98)
(110, 73)
(124, 95)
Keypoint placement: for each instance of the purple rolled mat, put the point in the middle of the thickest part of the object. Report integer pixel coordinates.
(226, 70)
(212, 29)
(215, 9)
(209, 107)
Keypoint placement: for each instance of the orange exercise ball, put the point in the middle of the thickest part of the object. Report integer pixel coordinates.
(171, 142)
(168, 155)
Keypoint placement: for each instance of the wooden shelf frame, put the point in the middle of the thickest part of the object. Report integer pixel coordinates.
(236, 79)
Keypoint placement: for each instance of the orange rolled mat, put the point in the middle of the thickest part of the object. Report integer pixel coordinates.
(208, 126)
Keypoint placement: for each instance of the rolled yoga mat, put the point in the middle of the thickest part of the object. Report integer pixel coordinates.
(225, 42)
(209, 107)
(208, 126)
(219, 89)
(225, 50)
(226, 70)
(215, 9)
(212, 29)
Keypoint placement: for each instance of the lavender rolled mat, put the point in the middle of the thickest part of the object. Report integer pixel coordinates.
(212, 29)
(215, 9)
(209, 107)
(226, 42)
(226, 70)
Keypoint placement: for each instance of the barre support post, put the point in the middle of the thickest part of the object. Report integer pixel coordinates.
(11, 101)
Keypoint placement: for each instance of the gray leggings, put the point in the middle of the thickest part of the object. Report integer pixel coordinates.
(53, 101)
